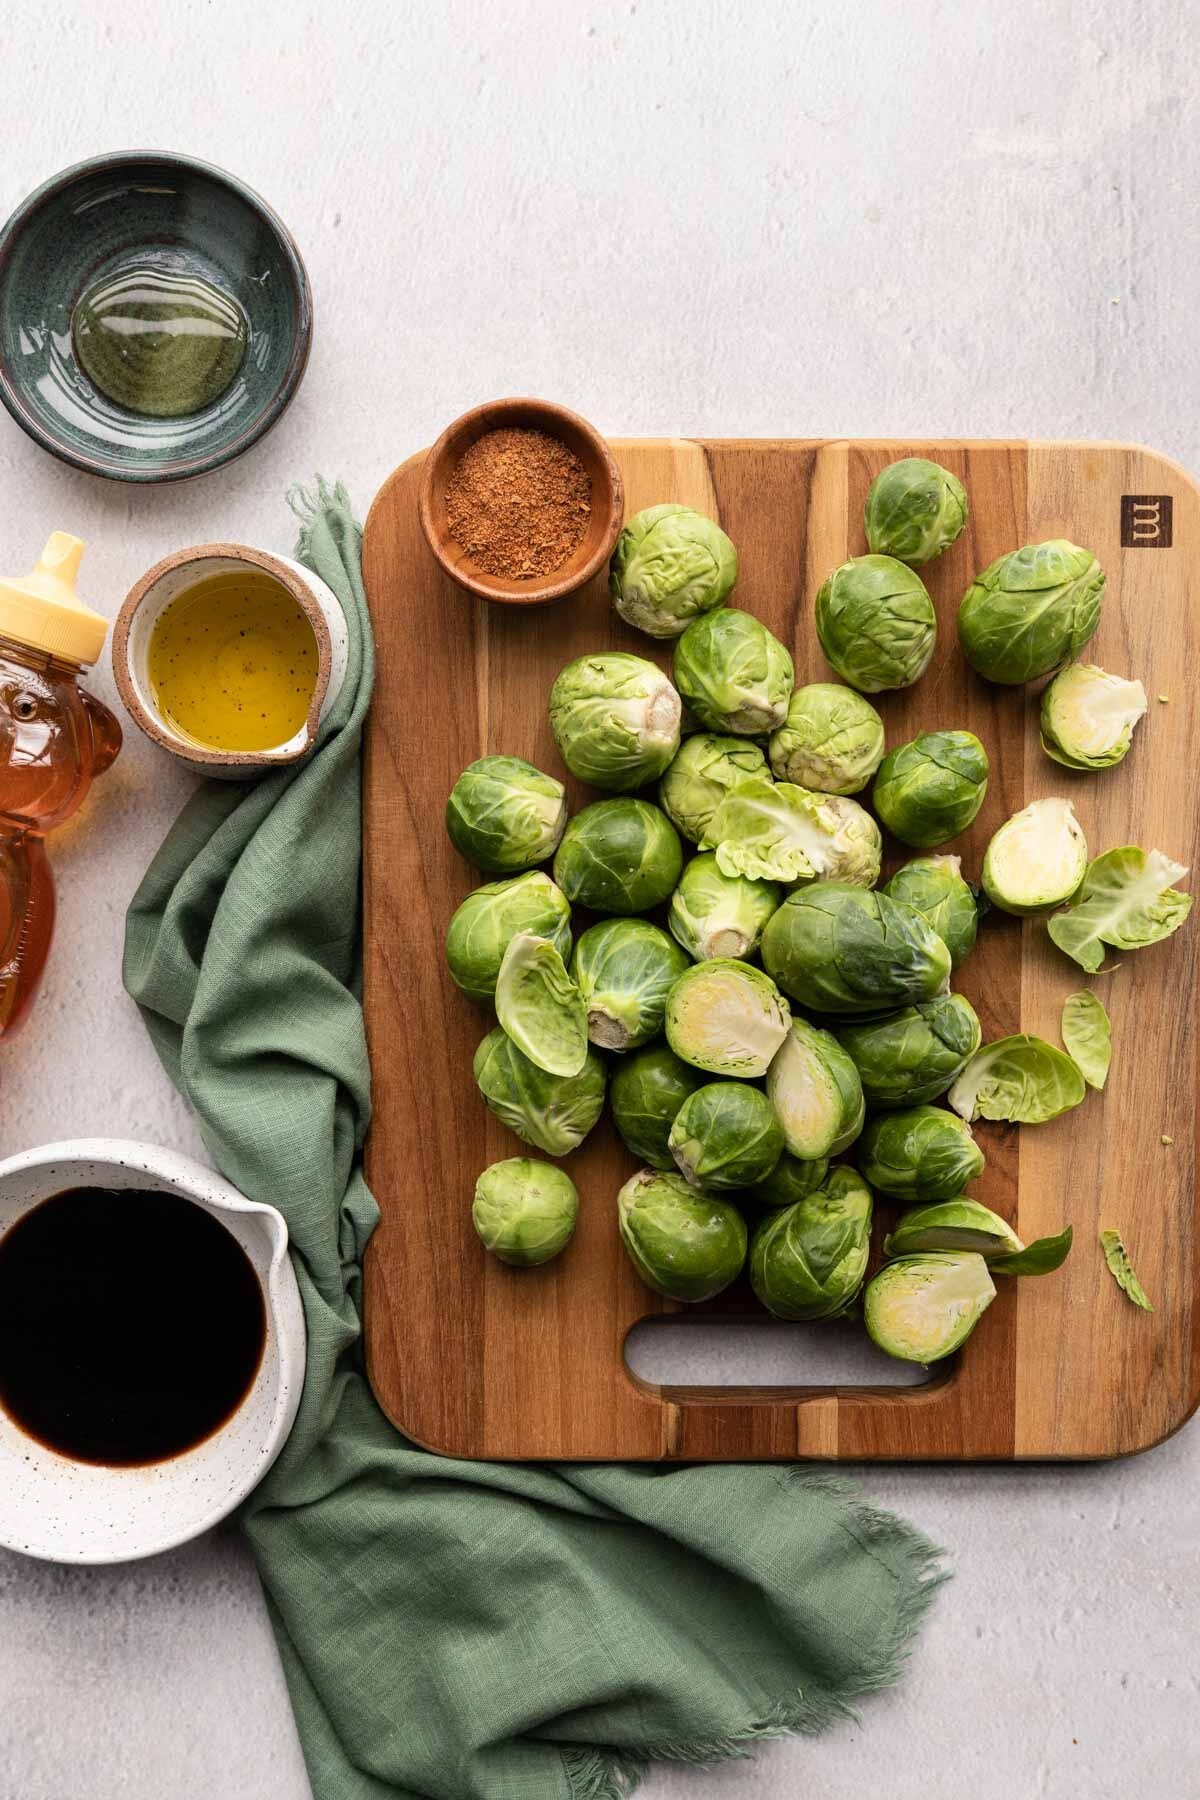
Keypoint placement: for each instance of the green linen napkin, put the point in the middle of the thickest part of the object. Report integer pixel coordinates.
(462, 1630)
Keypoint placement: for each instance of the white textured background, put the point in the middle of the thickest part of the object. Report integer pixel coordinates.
(676, 216)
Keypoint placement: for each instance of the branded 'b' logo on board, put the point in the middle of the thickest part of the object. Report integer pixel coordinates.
(1146, 521)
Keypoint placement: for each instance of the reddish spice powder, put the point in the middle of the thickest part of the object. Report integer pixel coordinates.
(518, 503)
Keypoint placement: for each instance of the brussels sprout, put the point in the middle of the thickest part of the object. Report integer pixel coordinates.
(831, 740)
(930, 790)
(540, 1007)
(808, 1261)
(958, 1224)
(908, 1057)
(488, 919)
(915, 509)
(504, 815)
(703, 771)
(619, 856)
(1126, 901)
(733, 674)
(839, 949)
(934, 887)
(876, 623)
(1036, 860)
(1021, 1079)
(1088, 717)
(921, 1154)
(720, 915)
(648, 1089)
(615, 719)
(554, 1113)
(670, 564)
(726, 1135)
(921, 1308)
(683, 1243)
(774, 831)
(792, 1178)
(524, 1210)
(625, 968)
(815, 1090)
(1087, 1036)
(726, 1017)
(1031, 611)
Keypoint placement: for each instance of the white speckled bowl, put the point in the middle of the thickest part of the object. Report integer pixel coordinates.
(66, 1511)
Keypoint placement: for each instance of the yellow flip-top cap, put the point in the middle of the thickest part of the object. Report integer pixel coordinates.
(43, 610)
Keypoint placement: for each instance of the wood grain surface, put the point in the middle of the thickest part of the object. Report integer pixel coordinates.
(473, 1359)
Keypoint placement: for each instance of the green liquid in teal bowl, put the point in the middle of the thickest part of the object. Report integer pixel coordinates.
(158, 341)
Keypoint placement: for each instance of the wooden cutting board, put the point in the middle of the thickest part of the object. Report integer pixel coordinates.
(473, 1359)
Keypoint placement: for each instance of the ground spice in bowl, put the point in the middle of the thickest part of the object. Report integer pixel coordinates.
(518, 503)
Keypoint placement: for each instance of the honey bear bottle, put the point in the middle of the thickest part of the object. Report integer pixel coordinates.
(54, 737)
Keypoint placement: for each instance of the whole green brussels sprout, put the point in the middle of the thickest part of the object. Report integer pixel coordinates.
(920, 1154)
(876, 623)
(524, 1211)
(774, 831)
(540, 1007)
(911, 1056)
(816, 1092)
(648, 1089)
(921, 1308)
(504, 815)
(934, 887)
(554, 1113)
(1036, 860)
(727, 1017)
(490, 917)
(733, 675)
(1031, 611)
(670, 564)
(790, 1180)
(704, 769)
(835, 948)
(619, 856)
(624, 969)
(726, 1135)
(808, 1261)
(931, 789)
(720, 915)
(958, 1224)
(615, 719)
(1088, 717)
(915, 509)
(683, 1242)
(832, 740)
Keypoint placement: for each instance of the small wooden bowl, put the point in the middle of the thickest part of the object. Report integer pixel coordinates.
(604, 525)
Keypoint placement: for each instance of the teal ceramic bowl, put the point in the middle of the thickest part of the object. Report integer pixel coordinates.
(186, 224)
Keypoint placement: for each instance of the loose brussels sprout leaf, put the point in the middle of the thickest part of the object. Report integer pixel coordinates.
(726, 1017)
(960, 1224)
(1021, 1079)
(670, 565)
(726, 1135)
(648, 1089)
(554, 1113)
(683, 1243)
(808, 1261)
(839, 949)
(540, 1007)
(720, 915)
(1036, 860)
(906, 1058)
(1031, 611)
(619, 856)
(930, 790)
(915, 509)
(625, 968)
(1126, 900)
(733, 674)
(615, 719)
(876, 623)
(774, 831)
(831, 741)
(790, 1180)
(921, 1308)
(1121, 1269)
(816, 1093)
(1088, 717)
(704, 769)
(524, 1210)
(934, 886)
(1041, 1257)
(504, 815)
(488, 919)
(920, 1154)
(1087, 1035)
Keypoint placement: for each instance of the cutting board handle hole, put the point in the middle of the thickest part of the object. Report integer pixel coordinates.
(767, 1353)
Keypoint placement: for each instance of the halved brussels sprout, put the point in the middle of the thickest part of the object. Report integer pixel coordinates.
(928, 791)
(771, 830)
(504, 815)
(704, 769)
(876, 623)
(524, 1210)
(1125, 901)
(792, 1178)
(921, 1308)
(682, 1242)
(915, 509)
(815, 1090)
(733, 675)
(840, 949)
(488, 920)
(909, 1057)
(934, 886)
(670, 564)
(1036, 860)
(619, 856)
(808, 1261)
(726, 1017)
(1021, 1079)
(921, 1154)
(554, 1113)
(615, 719)
(1088, 717)
(648, 1089)
(540, 1007)
(625, 968)
(726, 1135)
(720, 915)
(832, 740)
(1031, 611)
(958, 1224)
